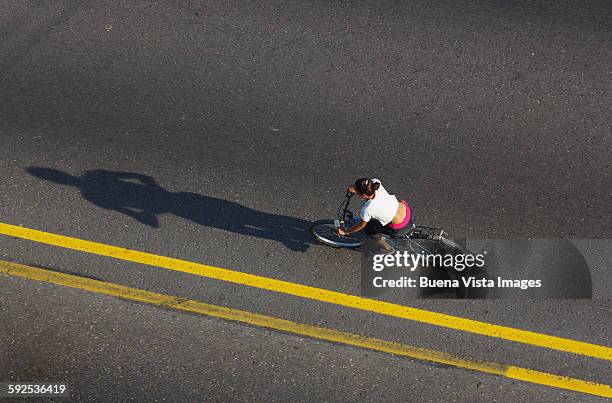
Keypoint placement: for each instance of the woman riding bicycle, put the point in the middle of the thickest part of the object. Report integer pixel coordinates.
(381, 214)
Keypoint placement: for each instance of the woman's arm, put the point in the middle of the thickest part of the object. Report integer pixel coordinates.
(355, 228)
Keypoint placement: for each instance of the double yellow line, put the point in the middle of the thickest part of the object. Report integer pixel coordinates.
(333, 297)
(188, 305)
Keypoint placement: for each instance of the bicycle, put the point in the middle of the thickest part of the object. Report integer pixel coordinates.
(325, 232)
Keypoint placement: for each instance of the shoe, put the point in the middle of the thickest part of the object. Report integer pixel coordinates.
(383, 252)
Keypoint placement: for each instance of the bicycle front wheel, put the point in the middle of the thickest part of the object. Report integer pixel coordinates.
(325, 232)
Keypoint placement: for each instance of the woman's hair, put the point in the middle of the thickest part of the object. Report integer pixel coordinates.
(366, 187)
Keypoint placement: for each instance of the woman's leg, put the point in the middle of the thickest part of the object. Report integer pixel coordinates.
(374, 231)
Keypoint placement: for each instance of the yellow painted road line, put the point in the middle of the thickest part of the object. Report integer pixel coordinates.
(319, 294)
(168, 301)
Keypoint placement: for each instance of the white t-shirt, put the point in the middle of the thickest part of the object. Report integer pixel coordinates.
(382, 207)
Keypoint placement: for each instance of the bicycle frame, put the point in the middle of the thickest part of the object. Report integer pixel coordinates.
(343, 211)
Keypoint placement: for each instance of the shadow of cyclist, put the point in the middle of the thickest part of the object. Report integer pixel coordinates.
(141, 198)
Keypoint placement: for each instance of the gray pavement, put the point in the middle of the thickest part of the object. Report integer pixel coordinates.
(112, 350)
(216, 132)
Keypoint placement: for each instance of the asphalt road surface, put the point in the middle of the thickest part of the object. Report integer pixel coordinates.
(216, 132)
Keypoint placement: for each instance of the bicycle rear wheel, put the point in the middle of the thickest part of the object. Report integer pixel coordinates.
(325, 232)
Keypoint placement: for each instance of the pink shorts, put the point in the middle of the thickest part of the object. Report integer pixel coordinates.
(404, 222)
